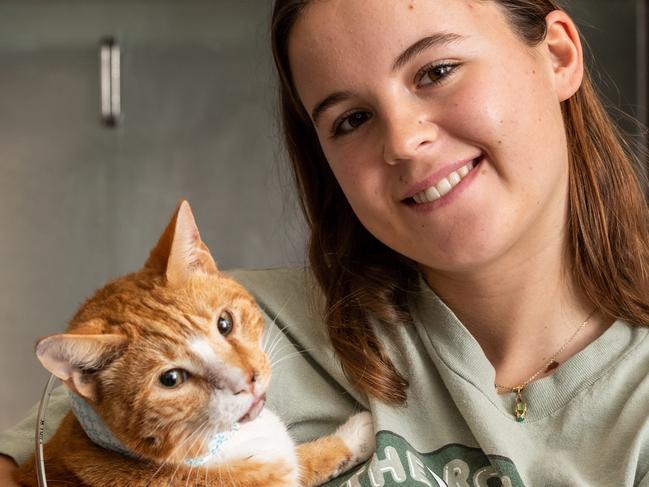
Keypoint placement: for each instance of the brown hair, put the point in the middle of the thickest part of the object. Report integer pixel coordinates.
(608, 222)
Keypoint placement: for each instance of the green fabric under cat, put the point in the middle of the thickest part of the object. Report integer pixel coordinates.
(587, 423)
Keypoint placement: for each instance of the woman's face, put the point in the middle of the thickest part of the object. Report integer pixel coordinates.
(470, 111)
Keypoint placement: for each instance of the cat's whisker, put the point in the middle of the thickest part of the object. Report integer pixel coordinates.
(295, 352)
(202, 430)
(276, 342)
(276, 339)
(281, 309)
(281, 328)
(197, 434)
(268, 334)
(189, 475)
(276, 352)
(277, 356)
(166, 460)
(286, 357)
(228, 470)
(268, 346)
(271, 352)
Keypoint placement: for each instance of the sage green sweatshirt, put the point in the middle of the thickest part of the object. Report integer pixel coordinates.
(587, 424)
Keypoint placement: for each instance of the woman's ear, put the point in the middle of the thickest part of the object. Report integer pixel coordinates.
(564, 47)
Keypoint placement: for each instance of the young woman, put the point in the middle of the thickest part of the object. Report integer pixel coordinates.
(479, 246)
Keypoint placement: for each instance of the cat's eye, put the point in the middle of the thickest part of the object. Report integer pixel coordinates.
(224, 323)
(173, 378)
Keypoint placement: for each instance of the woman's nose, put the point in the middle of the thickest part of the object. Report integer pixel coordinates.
(407, 135)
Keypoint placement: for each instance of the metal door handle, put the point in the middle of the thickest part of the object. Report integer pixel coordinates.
(110, 76)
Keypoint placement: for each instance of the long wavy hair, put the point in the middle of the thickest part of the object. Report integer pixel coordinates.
(608, 221)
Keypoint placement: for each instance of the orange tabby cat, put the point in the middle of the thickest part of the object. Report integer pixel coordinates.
(167, 380)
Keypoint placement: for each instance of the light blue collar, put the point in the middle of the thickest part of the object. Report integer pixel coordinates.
(101, 435)
(95, 427)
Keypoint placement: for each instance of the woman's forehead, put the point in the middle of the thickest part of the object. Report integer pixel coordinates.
(371, 20)
(332, 28)
(337, 37)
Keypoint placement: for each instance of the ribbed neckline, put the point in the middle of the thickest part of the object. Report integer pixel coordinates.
(461, 353)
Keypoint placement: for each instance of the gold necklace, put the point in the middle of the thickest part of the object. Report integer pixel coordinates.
(520, 405)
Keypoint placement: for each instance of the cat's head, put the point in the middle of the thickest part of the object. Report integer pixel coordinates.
(167, 355)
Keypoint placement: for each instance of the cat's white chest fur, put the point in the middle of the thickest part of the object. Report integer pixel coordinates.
(265, 439)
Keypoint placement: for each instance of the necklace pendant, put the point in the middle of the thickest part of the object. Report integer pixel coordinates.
(551, 366)
(520, 406)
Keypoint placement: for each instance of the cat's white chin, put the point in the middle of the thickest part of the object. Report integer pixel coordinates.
(255, 409)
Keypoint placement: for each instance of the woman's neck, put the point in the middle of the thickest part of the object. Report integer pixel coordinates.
(521, 311)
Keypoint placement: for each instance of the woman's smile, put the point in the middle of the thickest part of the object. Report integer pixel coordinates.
(441, 190)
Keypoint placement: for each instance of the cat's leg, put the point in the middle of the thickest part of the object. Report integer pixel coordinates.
(329, 456)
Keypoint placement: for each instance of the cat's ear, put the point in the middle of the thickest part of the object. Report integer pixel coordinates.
(74, 358)
(180, 252)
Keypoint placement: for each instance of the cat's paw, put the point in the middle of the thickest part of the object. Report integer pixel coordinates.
(358, 435)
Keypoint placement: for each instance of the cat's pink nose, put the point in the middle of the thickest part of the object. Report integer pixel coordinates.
(249, 385)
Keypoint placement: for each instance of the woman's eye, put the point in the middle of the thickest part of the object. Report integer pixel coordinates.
(224, 323)
(435, 73)
(348, 123)
(173, 378)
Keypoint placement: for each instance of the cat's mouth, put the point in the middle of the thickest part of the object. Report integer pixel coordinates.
(254, 410)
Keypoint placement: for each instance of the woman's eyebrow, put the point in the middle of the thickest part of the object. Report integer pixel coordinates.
(437, 39)
(328, 102)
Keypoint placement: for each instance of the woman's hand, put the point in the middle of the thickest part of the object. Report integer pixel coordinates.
(7, 466)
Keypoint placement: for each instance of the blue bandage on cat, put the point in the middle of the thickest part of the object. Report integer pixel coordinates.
(95, 427)
(214, 446)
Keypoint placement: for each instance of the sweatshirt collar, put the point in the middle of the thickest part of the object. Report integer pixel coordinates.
(462, 355)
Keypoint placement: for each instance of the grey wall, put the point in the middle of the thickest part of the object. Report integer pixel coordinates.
(80, 203)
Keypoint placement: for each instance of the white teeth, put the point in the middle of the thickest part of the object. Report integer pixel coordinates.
(444, 185)
(430, 194)
(454, 178)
